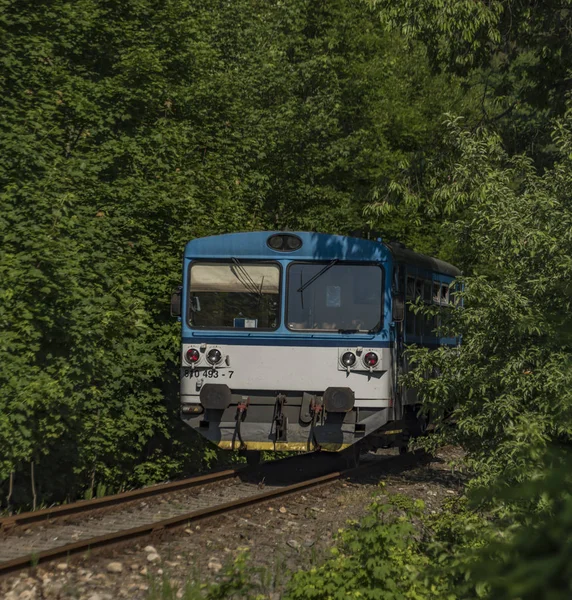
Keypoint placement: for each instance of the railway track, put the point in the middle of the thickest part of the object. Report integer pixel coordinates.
(97, 504)
(127, 517)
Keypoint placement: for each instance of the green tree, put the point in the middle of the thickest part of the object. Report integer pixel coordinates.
(508, 385)
(518, 54)
(128, 128)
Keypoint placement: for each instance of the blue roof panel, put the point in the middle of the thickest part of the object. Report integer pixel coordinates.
(315, 246)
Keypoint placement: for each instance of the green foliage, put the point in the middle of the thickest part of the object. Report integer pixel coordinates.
(508, 386)
(383, 557)
(507, 218)
(400, 551)
(518, 53)
(533, 556)
(131, 127)
(238, 580)
(460, 32)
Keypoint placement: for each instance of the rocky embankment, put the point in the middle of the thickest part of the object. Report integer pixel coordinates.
(280, 537)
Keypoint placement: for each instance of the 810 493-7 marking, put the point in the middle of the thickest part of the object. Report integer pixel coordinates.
(208, 373)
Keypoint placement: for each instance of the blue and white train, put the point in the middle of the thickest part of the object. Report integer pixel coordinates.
(294, 341)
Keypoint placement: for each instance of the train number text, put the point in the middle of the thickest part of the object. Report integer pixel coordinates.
(208, 373)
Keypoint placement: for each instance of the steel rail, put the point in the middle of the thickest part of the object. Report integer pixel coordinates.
(144, 530)
(63, 510)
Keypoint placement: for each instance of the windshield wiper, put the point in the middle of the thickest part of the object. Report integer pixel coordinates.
(318, 274)
(246, 280)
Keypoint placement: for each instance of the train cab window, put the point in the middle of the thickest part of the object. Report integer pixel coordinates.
(234, 295)
(335, 298)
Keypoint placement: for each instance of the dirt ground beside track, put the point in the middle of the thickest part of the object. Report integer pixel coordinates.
(281, 536)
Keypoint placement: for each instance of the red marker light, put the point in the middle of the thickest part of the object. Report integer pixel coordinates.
(371, 359)
(192, 355)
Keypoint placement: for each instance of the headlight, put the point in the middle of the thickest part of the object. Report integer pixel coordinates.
(348, 359)
(214, 356)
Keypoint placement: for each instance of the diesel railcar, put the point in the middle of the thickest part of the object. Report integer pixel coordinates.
(294, 341)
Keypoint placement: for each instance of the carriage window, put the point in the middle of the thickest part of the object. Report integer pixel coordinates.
(410, 288)
(419, 317)
(436, 292)
(427, 319)
(444, 294)
(410, 316)
(234, 295)
(454, 300)
(343, 298)
(427, 292)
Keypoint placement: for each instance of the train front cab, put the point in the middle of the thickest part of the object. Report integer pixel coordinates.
(292, 349)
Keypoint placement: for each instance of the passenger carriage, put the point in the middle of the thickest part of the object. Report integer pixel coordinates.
(293, 341)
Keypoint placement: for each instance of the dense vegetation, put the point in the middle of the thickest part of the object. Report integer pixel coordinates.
(129, 128)
(503, 193)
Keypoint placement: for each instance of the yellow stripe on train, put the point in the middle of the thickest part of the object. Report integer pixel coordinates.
(282, 446)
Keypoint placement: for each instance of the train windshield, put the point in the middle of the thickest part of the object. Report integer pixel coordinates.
(336, 298)
(234, 295)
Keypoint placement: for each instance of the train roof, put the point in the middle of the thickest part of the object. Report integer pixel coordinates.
(408, 256)
(315, 246)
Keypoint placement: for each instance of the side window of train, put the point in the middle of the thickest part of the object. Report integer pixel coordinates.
(410, 287)
(453, 298)
(427, 299)
(410, 297)
(430, 292)
(446, 297)
(427, 292)
(436, 292)
(441, 297)
(419, 317)
(436, 300)
(444, 294)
